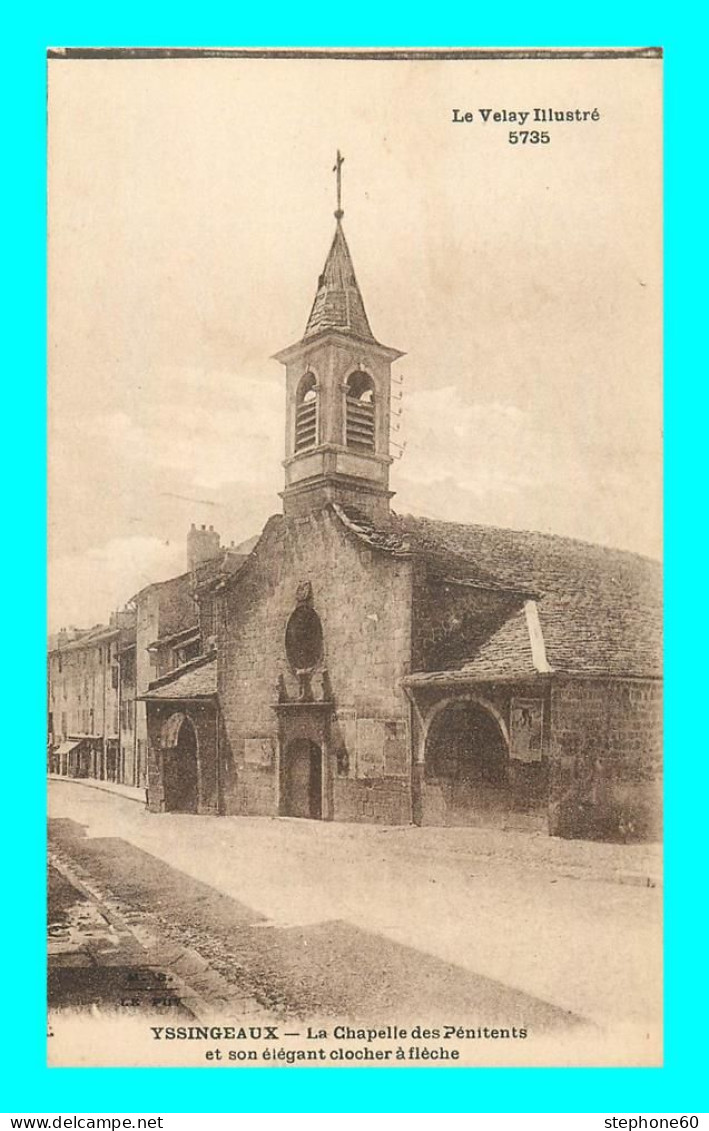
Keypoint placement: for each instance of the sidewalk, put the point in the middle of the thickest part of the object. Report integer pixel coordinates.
(133, 793)
(635, 864)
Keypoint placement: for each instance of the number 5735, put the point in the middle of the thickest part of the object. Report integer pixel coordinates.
(529, 137)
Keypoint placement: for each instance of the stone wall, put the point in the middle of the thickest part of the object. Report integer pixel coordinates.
(386, 801)
(606, 758)
(363, 599)
(523, 804)
(203, 716)
(600, 772)
(161, 609)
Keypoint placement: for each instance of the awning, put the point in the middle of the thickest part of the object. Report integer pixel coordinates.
(67, 747)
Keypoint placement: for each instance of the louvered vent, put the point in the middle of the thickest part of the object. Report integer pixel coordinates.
(360, 424)
(306, 414)
(360, 412)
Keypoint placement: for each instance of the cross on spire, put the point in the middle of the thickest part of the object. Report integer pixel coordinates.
(337, 168)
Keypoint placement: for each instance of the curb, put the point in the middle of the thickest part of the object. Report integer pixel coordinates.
(202, 991)
(115, 789)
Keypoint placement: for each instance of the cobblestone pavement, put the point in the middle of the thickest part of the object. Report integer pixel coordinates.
(300, 919)
(109, 958)
(94, 962)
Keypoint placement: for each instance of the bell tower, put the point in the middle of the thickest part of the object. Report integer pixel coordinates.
(338, 396)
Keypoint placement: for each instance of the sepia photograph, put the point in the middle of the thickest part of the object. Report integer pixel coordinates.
(354, 665)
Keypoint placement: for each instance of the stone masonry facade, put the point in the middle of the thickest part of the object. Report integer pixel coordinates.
(606, 758)
(363, 600)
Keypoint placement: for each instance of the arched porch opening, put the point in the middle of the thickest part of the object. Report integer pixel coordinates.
(466, 760)
(180, 765)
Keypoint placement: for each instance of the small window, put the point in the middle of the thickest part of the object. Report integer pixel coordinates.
(306, 413)
(303, 639)
(189, 652)
(360, 412)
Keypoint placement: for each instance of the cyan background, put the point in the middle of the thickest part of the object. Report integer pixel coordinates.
(29, 1085)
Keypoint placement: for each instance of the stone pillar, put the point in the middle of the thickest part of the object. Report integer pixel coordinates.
(278, 771)
(327, 800)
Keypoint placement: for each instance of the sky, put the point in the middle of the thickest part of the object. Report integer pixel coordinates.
(190, 213)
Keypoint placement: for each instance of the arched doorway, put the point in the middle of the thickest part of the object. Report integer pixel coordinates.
(467, 761)
(180, 768)
(302, 780)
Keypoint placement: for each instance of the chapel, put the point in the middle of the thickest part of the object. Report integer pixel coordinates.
(363, 665)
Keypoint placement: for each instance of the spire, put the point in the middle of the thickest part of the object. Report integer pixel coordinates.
(338, 303)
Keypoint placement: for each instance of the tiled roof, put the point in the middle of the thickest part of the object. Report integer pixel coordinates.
(442, 560)
(393, 541)
(215, 570)
(196, 680)
(600, 609)
(508, 652)
(226, 562)
(338, 303)
(84, 639)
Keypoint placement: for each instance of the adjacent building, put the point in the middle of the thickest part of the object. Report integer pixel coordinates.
(96, 678)
(83, 709)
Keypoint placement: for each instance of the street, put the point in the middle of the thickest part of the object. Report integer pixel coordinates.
(301, 920)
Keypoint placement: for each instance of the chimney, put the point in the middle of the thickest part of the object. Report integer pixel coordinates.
(202, 546)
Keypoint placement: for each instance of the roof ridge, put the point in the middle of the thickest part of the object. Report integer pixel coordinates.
(549, 535)
(376, 538)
